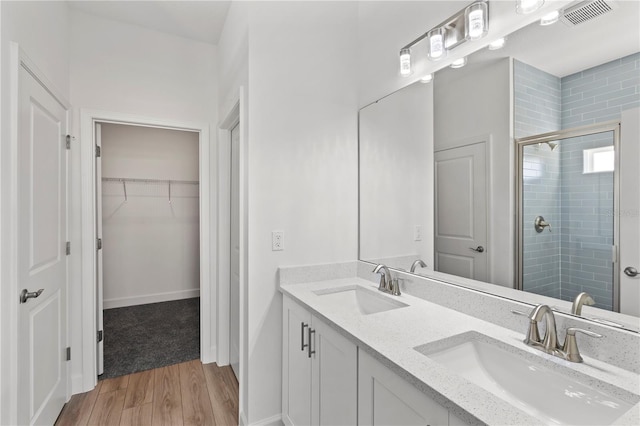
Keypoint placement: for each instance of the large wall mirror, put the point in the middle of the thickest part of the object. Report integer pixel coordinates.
(509, 170)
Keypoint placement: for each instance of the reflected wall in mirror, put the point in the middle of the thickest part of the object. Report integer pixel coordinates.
(447, 194)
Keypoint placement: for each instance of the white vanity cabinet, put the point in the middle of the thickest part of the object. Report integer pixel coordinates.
(319, 371)
(384, 398)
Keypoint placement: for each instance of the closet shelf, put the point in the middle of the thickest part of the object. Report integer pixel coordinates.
(169, 182)
(134, 180)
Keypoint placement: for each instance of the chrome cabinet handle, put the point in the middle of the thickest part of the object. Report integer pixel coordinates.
(302, 344)
(479, 249)
(26, 295)
(630, 271)
(309, 351)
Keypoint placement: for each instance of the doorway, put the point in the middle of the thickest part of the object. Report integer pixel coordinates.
(147, 208)
(87, 310)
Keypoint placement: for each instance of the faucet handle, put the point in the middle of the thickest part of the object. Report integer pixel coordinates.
(533, 335)
(570, 347)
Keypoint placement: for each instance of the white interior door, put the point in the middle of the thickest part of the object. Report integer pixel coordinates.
(42, 260)
(461, 212)
(234, 291)
(99, 274)
(629, 208)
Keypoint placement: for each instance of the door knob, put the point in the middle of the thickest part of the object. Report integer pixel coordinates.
(26, 295)
(630, 271)
(479, 249)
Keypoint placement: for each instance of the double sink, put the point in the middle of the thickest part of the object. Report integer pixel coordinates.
(544, 389)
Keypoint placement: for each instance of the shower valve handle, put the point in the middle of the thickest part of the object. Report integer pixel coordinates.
(539, 224)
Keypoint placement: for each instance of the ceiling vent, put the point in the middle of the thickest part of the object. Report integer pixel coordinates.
(586, 11)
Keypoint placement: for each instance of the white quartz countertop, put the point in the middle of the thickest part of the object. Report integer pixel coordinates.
(391, 337)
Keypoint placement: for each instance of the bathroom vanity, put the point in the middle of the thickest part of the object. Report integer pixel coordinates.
(355, 355)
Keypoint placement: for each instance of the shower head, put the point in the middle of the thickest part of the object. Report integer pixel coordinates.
(552, 145)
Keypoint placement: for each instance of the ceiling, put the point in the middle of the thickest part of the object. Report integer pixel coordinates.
(562, 50)
(196, 20)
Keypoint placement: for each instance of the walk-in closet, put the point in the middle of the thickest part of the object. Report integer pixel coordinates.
(149, 269)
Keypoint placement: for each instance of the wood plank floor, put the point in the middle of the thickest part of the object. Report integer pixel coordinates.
(183, 394)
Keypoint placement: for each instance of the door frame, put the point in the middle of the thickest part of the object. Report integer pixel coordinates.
(520, 143)
(234, 114)
(88, 119)
(9, 315)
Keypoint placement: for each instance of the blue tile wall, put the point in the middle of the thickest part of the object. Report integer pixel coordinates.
(583, 233)
(538, 110)
(601, 93)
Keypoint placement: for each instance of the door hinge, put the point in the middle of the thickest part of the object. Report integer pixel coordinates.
(69, 354)
(99, 336)
(68, 248)
(98, 153)
(99, 243)
(68, 140)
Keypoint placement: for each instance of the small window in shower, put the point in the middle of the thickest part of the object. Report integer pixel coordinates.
(597, 160)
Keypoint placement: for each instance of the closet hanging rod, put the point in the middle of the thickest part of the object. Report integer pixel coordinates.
(134, 180)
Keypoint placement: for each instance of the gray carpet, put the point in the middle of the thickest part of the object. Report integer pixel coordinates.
(143, 337)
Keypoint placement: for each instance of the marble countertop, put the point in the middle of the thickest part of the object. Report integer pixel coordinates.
(391, 337)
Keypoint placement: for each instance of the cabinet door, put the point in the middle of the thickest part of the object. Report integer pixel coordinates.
(296, 365)
(386, 399)
(334, 377)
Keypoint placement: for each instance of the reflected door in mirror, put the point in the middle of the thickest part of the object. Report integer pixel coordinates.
(461, 211)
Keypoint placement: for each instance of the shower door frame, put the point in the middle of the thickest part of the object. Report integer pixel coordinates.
(608, 126)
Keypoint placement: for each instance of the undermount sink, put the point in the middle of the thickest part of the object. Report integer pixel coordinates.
(360, 299)
(546, 390)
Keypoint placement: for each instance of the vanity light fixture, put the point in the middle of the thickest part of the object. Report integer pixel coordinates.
(550, 18)
(459, 63)
(477, 20)
(436, 49)
(405, 62)
(524, 7)
(427, 78)
(497, 44)
(468, 24)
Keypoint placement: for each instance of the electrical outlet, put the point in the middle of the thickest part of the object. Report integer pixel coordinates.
(277, 240)
(417, 233)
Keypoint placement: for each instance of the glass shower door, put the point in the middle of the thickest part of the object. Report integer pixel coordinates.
(567, 199)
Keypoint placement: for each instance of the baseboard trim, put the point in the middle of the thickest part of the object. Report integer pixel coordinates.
(150, 298)
(269, 421)
(208, 358)
(76, 384)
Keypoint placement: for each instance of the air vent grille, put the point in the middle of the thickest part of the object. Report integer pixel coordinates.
(586, 11)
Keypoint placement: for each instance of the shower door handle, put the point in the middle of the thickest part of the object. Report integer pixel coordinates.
(478, 249)
(630, 271)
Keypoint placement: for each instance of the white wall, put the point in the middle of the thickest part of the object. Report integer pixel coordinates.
(125, 69)
(150, 246)
(473, 102)
(302, 174)
(396, 178)
(41, 30)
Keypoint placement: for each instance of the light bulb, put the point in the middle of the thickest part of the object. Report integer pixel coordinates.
(476, 20)
(405, 62)
(459, 63)
(497, 44)
(436, 49)
(527, 6)
(550, 18)
(427, 78)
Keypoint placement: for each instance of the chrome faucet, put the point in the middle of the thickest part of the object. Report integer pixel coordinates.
(388, 284)
(583, 298)
(549, 344)
(417, 263)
